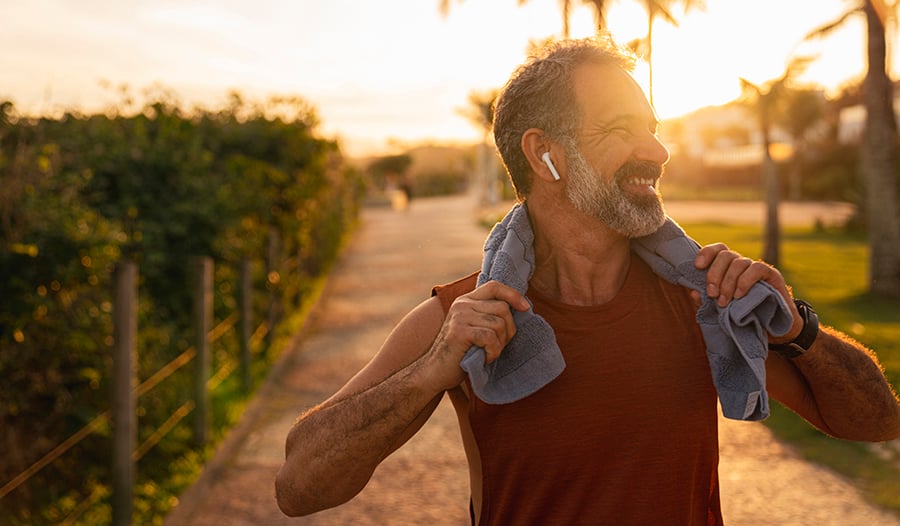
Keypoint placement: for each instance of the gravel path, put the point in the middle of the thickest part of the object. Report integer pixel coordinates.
(393, 261)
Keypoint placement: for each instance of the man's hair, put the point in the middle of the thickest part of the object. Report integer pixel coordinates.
(539, 94)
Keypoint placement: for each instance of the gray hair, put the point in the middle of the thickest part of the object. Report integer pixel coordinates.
(539, 94)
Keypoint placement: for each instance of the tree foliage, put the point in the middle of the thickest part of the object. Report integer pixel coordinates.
(80, 192)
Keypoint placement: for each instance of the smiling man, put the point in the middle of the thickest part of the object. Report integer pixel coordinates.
(610, 415)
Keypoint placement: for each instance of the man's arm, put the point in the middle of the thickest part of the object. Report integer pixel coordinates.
(837, 385)
(333, 450)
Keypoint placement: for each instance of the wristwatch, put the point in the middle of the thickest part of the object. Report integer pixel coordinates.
(807, 336)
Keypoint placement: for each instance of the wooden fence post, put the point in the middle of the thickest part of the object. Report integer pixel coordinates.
(246, 309)
(124, 382)
(273, 278)
(203, 305)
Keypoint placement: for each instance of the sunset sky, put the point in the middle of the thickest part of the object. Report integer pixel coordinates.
(386, 71)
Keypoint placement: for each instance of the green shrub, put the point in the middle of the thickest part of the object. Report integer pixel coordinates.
(77, 194)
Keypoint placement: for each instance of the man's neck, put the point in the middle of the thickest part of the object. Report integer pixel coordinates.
(578, 259)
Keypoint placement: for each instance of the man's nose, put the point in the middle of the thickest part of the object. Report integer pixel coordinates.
(652, 149)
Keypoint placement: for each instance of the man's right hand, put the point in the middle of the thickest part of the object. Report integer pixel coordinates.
(482, 318)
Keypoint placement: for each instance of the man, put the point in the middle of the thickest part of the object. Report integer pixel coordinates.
(626, 434)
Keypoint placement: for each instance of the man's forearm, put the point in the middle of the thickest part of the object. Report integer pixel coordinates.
(333, 449)
(851, 393)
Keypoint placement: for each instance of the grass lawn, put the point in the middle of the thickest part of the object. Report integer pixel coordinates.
(829, 269)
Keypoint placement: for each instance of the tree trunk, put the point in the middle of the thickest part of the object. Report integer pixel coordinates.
(878, 159)
(650, 16)
(772, 230)
(795, 179)
(772, 237)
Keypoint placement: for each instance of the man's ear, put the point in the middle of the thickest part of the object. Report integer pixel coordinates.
(535, 146)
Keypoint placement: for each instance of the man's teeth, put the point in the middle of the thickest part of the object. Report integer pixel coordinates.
(648, 182)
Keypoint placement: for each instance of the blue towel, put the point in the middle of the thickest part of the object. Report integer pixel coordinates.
(532, 358)
(735, 335)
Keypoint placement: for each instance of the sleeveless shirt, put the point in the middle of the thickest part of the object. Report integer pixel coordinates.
(626, 435)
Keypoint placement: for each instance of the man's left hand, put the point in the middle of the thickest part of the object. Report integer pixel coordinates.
(730, 275)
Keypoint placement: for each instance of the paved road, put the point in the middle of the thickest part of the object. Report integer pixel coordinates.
(391, 265)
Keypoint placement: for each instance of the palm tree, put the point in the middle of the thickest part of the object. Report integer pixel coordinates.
(765, 101)
(878, 152)
(480, 112)
(661, 9)
(654, 8)
(600, 7)
(564, 5)
(804, 108)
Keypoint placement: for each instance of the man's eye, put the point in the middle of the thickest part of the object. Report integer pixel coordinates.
(621, 130)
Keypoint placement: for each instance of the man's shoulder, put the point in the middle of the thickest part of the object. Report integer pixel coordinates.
(448, 292)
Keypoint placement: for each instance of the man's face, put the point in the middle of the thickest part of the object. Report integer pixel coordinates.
(616, 166)
(628, 213)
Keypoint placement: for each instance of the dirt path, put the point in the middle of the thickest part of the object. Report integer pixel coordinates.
(789, 213)
(391, 265)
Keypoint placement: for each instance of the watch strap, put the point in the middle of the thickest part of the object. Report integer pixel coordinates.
(807, 336)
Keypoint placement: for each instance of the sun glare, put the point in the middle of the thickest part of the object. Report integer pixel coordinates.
(398, 69)
(699, 62)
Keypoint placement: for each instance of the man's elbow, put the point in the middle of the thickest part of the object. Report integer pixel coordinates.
(298, 495)
(883, 428)
(290, 500)
(892, 430)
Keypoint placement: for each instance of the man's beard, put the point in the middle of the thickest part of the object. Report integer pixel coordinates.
(606, 199)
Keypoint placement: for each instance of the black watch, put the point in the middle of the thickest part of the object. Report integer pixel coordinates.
(807, 336)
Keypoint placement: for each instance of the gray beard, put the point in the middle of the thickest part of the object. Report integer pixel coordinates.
(602, 198)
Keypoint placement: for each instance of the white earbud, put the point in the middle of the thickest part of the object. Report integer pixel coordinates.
(549, 163)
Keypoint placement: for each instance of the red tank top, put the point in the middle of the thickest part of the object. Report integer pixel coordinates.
(626, 435)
